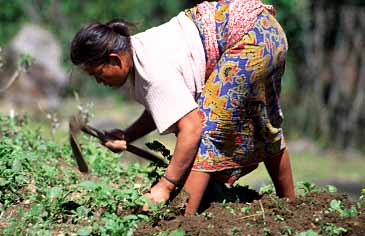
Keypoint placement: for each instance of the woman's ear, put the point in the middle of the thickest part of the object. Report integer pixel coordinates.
(115, 59)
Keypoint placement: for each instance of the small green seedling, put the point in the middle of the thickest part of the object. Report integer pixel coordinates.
(267, 232)
(307, 187)
(308, 233)
(287, 231)
(268, 189)
(279, 218)
(336, 206)
(207, 215)
(246, 209)
(331, 229)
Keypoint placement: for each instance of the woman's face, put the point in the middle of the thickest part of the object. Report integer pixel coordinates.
(115, 72)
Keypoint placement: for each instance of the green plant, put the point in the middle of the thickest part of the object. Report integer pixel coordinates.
(307, 187)
(25, 61)
(336, 206)
(279, 218)
(207, 215)
(287, 231)
(246, 209)
(308, 233)
(159, 147)
(330, 189)
(268, 189)
(177, 232)
(228, 207)
(38, 179)
(361, 201)
(234, 231)
(331, 229)
(266, 232)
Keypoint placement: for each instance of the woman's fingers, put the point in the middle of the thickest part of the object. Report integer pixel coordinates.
(145, 206)
(158, 193)
(116, 145)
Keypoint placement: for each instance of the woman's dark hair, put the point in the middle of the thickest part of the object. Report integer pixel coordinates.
(94, 42)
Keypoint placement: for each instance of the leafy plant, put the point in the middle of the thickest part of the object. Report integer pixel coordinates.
(234, 231)
(336, 206)
(287, 231)
(332, 230)
(307, 187)
(308, 233)
(246, 209)
(330, 189)
(361, 199)
(25, 61)
(207, 215)
(228, 207)
(267, 232)
(40, 177)
(159, 147)
(279, 218)
(268, 189)
(176, 232)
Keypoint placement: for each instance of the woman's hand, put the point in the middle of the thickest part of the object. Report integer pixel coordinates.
(115, 140)
(159, 192)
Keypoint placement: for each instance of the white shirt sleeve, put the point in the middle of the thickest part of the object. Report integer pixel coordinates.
(165, 81)
(168, 101)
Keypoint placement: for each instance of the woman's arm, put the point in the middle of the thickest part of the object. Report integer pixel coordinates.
(188, 138)
(187, 141)
(142, 126)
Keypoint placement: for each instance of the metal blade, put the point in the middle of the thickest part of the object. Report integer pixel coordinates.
(80, 160)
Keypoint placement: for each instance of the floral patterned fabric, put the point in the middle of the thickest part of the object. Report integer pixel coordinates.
(240, 101)
(242, 17)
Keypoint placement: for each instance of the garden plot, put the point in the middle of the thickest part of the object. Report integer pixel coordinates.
(42, 193)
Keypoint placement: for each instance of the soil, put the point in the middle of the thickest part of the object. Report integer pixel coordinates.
(245, 212)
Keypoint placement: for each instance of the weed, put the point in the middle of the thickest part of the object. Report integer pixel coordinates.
(287, 231)
(331, 229)
(279, 218)
(308, 233)
(268, 189)
(84, 231)
(207, 215)
(159, 147)
(176, 232)
(266, 232)
(39, 176)
(246, 209)
(307, 187)
(330, 189)
(336, 206)
(361, 201)
(234, 231)
(228, 207)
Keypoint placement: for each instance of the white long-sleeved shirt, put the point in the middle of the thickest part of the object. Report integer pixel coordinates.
(170, 65)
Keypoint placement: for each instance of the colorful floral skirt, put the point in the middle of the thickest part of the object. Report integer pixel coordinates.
(240, 102)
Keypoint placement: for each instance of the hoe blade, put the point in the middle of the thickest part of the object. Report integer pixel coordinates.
(76, 150)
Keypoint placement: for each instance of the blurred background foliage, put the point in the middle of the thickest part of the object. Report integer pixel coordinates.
(312, 108)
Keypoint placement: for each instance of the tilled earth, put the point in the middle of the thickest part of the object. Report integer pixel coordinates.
(260, 215)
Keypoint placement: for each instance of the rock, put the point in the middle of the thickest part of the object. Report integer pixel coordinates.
(45, 78)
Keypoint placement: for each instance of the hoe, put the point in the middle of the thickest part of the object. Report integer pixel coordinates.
(76, 125)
